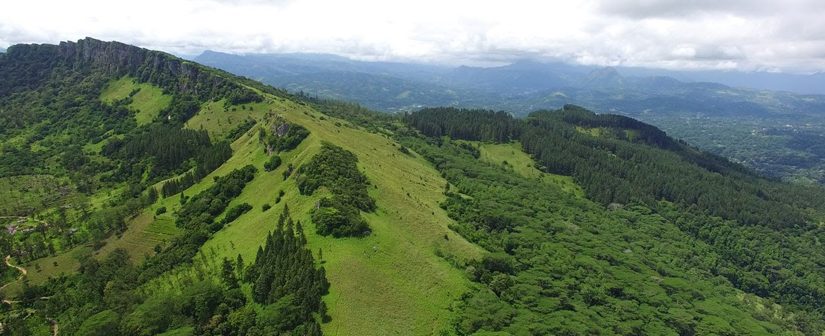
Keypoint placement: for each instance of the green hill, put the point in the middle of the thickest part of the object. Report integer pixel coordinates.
(196, 202)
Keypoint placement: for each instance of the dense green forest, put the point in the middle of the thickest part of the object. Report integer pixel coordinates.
(565, 222)
(761, 234)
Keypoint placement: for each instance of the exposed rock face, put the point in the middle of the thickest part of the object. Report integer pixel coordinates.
(118, 59)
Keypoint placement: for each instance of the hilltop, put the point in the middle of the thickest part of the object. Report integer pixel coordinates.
(192, 201)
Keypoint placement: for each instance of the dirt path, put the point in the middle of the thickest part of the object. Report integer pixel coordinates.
(55, 327)
(22, 271)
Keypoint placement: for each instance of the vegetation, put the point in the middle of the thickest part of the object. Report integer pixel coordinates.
(743, 221)
(284, 136)
(284, 276)
(273, 163)
(336, 169)
(577, 223)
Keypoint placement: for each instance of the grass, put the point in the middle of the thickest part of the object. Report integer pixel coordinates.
(512, 157)
(391, 282)
(42, 269)
(147, 102)
(218, 121)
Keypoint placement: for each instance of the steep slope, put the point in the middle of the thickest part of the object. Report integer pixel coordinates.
(400, 273)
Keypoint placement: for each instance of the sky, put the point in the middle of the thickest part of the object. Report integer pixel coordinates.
(747, 35)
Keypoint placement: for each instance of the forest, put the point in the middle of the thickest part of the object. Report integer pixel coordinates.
(759, 232)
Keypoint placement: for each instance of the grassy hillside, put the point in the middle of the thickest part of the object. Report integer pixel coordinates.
(396, 273)
(147, 100)
(392, 274)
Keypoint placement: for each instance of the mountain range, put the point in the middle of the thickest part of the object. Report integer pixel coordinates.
(525, 86)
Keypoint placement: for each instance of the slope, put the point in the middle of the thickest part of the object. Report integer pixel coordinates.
(707, 218)
(403, 272)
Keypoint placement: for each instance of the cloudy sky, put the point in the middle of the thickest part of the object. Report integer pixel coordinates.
(764, 35)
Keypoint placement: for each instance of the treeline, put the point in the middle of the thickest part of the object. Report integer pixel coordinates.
(206, 162)
(162, 150)
(336, 169)
(465, 124)
(197, 219)
(616, 171)
(623, 170)
(167, 147)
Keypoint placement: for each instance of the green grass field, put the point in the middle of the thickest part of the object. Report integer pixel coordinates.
(512, 157)
(147, 102)
(218, 121)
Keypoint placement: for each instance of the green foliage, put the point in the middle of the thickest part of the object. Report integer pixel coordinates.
(465, 124)
(101, 324)
(272, 163)
(239, 130)
(336, 169)
(565, 265)
(339, 220)
(165, 147)
(285, 279)
(647, 168)
(284, 136)
(197, 218)
(160, 211)
(234, 212)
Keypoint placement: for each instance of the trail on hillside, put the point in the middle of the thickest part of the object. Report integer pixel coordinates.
(54, 326)
(22, 271)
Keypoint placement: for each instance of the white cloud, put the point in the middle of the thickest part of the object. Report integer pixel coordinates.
(747, 35)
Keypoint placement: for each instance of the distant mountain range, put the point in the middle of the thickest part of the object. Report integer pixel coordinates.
(525, 86)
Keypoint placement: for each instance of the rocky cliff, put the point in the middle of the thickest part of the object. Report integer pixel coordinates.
(117, 59)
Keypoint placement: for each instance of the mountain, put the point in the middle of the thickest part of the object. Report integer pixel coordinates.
(805, 84)
(152, 195)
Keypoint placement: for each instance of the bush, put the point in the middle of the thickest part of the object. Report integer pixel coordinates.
(160, 211)
(339, 220)
(273, 163)
(266, 206)
(336, 169)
